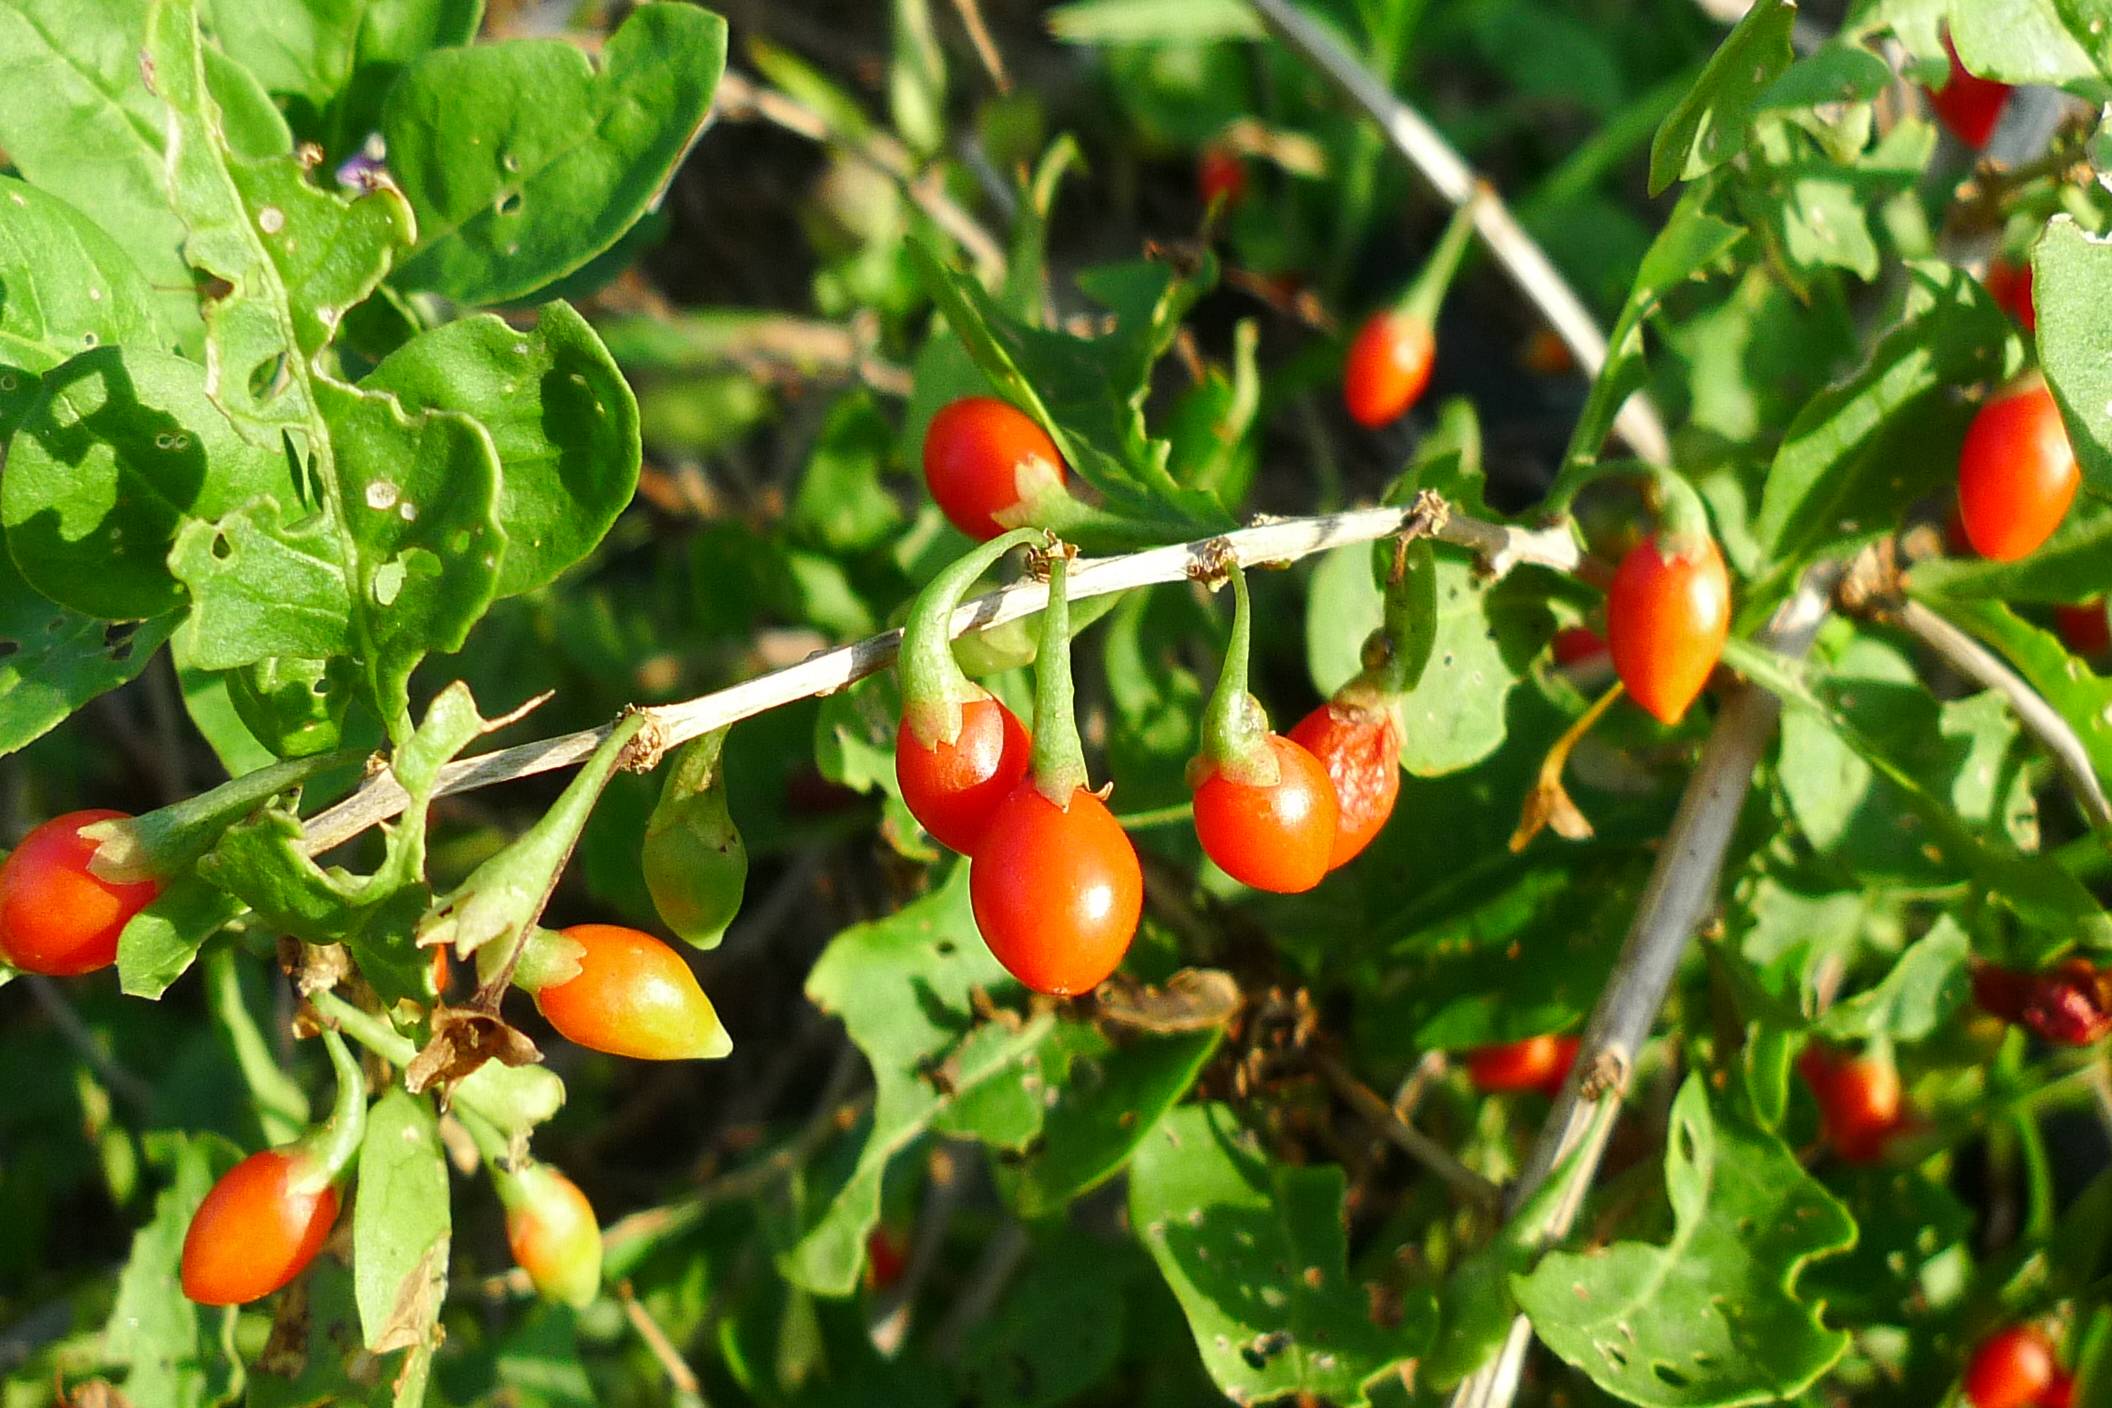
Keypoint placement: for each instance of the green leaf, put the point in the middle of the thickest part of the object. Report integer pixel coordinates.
(159, 944)
(2075, 564)
(524, 160)
(1708, 126)
(2078, 693)
(1691, 241)
(262, 862)
(560, 416)
(1711, 1318)
(1255, 1251)
(296, 257)
(1101, 1100)
(65, 287)
(76, 118)
(412, 563)
(902, 986)
(2072, 276)
(1060, 1328)
(1921, 992)
(1148, 21)
(320, 1359)
(400, 553)
(61, 658)
(1912, 1239)
(335, 60)
(123, 447)
(400, 1227)
(1088, 392)
(171, 1349)
(1487, 635)
(1863, 450)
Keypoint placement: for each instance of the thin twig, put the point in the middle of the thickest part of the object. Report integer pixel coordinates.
(680, 1377)
(1283, 541)
(1448, 174)
(893, 1307)
(740, 97)
(1982, 666)
(1681, 891)
(993, 62)
(1404, 1136)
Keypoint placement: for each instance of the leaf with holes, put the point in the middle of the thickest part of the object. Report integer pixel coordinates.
(524, 159)
(54, 660)
(1255, 1251)
(561, 418)
(122, 447)
(295, 258)
(902, 987)
(1102, 1100)
(1711, 1318)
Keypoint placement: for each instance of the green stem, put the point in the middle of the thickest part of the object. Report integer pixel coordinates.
(364, 1027)
(1156, 816)
(1234, 728)
(1059, 756)
(934, 687)
(163, 842)
(1427, 294)
(337, 1142)
(1682, 519)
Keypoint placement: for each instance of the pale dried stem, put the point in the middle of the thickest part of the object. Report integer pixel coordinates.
(1264, 544)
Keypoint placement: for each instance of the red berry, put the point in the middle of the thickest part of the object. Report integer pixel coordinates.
(1546, 354)
(984, 460)
(1275, 837)
(56, 916)
(258, 1228)
(2001, 992)
(2016, 473)
(886, 1258)
(2060, 1393)
(2011, 286)
(633, 996)
(2011, 1368)
(952, 789)
(1666, 621)
(1968, 105)
(1361, 750)
(1574, 645)
(1220, 176)
(2085, 627)
(2068, 1005)
(1537, 1063)
(1057, 891)
(1387, 368)
(553, 1233)
(1860, 1101)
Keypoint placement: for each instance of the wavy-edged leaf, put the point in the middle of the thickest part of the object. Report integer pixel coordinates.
(1255, 1251)
(525, 159)
(1711, 1318)
(901, 987)
(561, 418)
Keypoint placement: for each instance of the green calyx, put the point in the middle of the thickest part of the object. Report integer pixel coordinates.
(1396, 654)
(165, 842)
(1427, 294)
(1235, 728)
(1059, 757)
(934, 687)
(332, 1145)
(547, 958)
(1682, 518)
